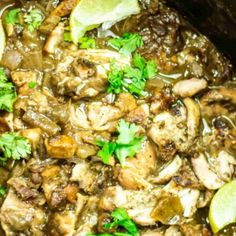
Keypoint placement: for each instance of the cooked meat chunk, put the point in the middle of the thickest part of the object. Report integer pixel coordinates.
(136, 170)
(161, 132)
(22, 77)
(62, 146)
(139, 115)
(19, 216)
(203, 171)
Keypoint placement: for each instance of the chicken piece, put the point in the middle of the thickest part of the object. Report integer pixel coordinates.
(101, 56)
(152, 233)
(139, 204)
(193, 118)
(167, 171)
(54, 38)
(126, 102)
(55, 179)
(139, 115)
(205, 198)
(34, 136)
(202, 169)
(20, 78)
(223, 165)
(63, 222)
(194, 229)
(173, 231)
(133, 175)
(190, 87)
(161, 132)
(88, 218)
(78, 117)
(188, 197)
(61, 147)
(103, 117)
(6, 122)
(82, 174)
(113, 197)
(21, 217)
(186, 177)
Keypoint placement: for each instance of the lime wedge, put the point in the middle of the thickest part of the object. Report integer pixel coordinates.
(89, 14)
(223, 207)
(2, 40)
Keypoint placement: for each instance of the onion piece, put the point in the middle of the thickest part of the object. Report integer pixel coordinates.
(2, 40)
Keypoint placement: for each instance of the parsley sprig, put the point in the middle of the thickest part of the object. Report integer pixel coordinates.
(12, 16)
(133, 78)
(126, 145)
(7, 93)
(122, 220)
(34, 19)
(14, 146)
(126, 44)
(3, 191)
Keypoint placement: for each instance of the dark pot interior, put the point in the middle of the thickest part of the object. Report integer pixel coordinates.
(215, 19)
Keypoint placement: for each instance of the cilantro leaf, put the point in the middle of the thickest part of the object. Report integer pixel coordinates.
(133, 78)
(115, 79)
(67, 37)
(7, 93)
(34, 19)
(126, 44)
(121, 218)
(12, 16)
(123, 151)
(3, 191)
(14, 146)
(107, 151)
(150, 70)
(32, 84)
(126, 145)
(126, 132)
(86, 42)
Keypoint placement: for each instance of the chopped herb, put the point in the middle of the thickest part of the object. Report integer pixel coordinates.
(14, 146)
(86, 42)
(3, 191)
(126, 44)
(121, 218)
(32, 85)
(12, 16)
(7, 93)
(133, 78)
(126, 145)
(34, 19)
(67, 37)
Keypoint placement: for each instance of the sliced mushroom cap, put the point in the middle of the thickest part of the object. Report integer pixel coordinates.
(190, 87)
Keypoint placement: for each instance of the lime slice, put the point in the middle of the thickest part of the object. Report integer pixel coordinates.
(2, 40)
(223, 207)
(89, 14)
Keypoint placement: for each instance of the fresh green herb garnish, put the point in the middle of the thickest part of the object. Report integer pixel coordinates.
(67, 37)
(32, 85)
(121, 218)
(126, 145)
(87, 42)
(34, 19)
(3, 191)
(133, 78)
(7, 92)
(14, 146)
(12, 16)
(126, 44)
